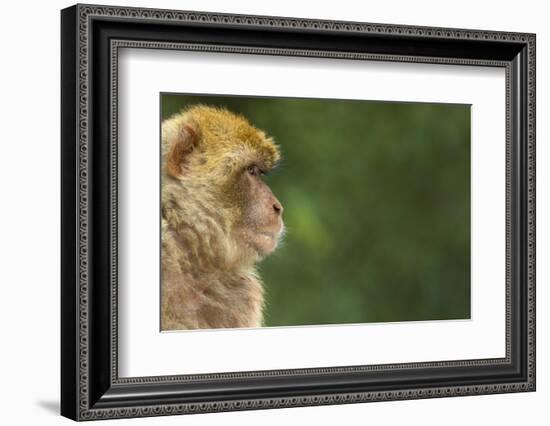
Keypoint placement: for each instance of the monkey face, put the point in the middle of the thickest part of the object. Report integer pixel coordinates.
(261, 224)
(218, 160)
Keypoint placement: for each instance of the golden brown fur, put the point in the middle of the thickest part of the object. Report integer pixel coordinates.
(218, 219)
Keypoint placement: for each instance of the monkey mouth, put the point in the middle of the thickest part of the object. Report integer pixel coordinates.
(270, 235)
(274, 235)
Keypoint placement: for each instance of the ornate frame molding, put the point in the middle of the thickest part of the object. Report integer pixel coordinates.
(78, 23)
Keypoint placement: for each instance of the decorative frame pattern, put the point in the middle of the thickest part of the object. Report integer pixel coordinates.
(87, 397)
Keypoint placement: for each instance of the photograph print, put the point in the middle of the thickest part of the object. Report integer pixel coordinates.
(301, 212)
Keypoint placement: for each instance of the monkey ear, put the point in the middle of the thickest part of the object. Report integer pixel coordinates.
(181, 147)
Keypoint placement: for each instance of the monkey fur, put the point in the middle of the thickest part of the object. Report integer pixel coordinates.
(218, 219)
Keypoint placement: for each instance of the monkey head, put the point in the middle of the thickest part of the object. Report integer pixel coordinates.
(216, 159)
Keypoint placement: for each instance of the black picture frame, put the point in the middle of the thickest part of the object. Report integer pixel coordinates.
(90, 386)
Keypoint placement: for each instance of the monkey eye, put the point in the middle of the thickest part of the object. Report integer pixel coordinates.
(255, 170)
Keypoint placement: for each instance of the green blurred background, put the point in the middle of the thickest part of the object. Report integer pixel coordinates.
(377, 208)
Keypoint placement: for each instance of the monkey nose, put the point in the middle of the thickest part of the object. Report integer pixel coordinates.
(278, 208)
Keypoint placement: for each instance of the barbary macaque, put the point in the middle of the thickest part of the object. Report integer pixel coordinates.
(218, 219)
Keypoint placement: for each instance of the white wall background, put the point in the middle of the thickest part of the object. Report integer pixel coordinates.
(29, 212)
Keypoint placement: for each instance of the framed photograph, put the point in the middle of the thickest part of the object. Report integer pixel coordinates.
(263, 212)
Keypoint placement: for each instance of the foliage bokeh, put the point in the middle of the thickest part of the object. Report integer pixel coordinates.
(377, 208)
